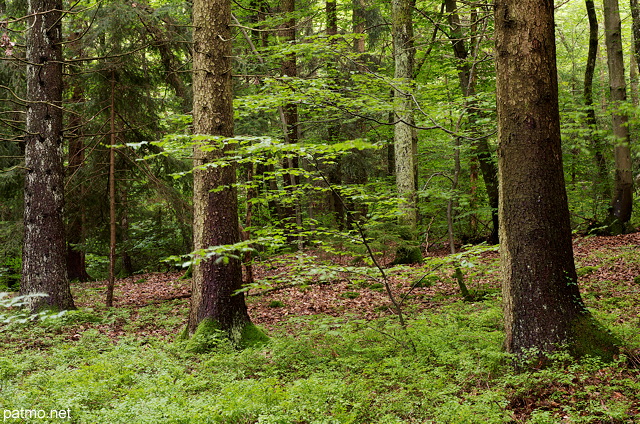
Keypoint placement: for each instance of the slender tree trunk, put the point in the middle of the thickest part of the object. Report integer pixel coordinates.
(44, 265)
(215, 212)
(480, 146)
(542, 305)
(596, 141)
(76, 263)
(289, 69)
(112, 197)
(404, 129)
(635, 25)
(622, 202)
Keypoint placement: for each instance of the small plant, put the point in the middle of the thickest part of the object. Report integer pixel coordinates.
(377, 286)
(276, 304)
(350, 295)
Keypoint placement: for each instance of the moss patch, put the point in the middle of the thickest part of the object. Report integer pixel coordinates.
(590, 338)
(207, 337)
(252, 336)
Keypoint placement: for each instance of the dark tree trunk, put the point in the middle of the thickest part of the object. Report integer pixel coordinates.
(480, 147)
(215, 212)
(596, 141)
(76, 263)
(542, 304)
(44, 265)
(635, 18)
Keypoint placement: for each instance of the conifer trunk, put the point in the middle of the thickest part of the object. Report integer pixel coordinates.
(542, 304)
(44, 266)
(215, 212)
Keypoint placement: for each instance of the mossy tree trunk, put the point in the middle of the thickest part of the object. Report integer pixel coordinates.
(44, 265)
(405, 139)
(622, 202)
(542, 304)
(215, 212)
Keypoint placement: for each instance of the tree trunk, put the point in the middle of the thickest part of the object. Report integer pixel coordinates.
(635, 24)
(596, 141)
(44, 265)
(404, 129)
(542, 304)
(215, 212)
(289, 117)
(112, 198)
(480, 146)
(76, 263)
(622, 202)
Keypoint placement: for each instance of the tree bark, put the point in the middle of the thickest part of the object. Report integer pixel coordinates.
(542, 304)
(405, 140)
(215, 212)
(635, 25)
(622, 202)
(44, 266)
(112, 197)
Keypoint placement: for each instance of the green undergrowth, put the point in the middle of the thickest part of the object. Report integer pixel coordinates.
(315, 369)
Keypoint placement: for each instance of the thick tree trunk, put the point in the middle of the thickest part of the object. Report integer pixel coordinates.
(622, 202)
(44, 266)
(215, 212)
(542, 304)
(480, 146)
(404, 129)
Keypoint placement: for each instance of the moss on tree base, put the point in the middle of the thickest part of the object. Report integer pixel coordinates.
(590, 338)
(209, 336)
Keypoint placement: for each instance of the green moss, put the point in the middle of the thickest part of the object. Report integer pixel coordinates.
(590, 338)
(350, 295)
(586, 270)
(276, 304)
(407, 255)
(206, 338)
(252, 336)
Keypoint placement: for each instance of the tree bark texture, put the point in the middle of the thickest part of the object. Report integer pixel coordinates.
(44, 267)
(542, 304)
(622, 202)
(404, 136)
(215, 212)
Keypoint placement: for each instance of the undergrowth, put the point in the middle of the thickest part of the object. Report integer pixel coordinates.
(113, 368)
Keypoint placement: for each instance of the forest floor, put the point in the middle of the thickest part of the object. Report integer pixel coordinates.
(335, 318)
